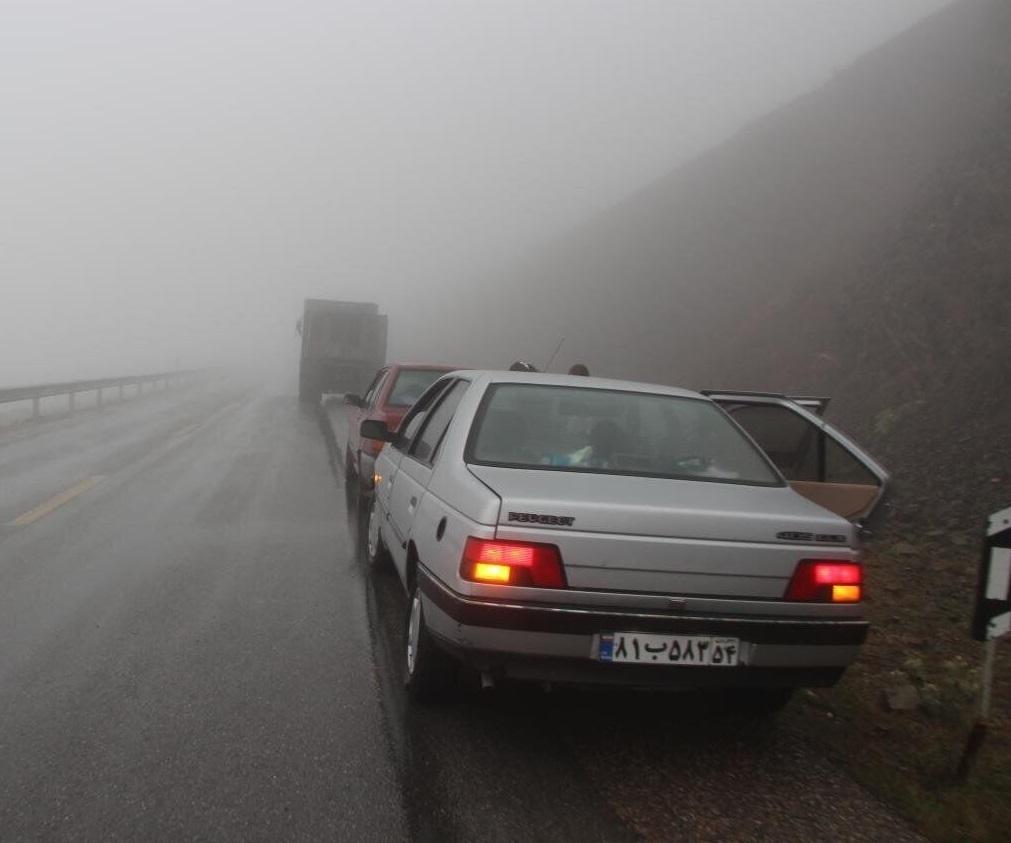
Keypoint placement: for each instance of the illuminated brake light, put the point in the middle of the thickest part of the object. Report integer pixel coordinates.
(484, 572)
(500, 553)
(512, 563)
(830, 573)
(845, 593)
(817, 581)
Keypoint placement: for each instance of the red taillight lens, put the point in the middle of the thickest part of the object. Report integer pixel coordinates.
(512, 563)
(826, 582)
(372, 446)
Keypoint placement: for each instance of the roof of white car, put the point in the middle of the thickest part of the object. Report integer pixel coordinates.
(584, 381)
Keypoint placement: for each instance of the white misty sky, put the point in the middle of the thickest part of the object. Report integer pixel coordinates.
(175, 177)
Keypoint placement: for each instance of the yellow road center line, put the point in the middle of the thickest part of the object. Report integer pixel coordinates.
(54, 503)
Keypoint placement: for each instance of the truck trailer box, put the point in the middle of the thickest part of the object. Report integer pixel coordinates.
(343, 344)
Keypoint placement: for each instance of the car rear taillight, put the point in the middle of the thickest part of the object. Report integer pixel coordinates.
(372, 446)
(512, 563)
(824, 581)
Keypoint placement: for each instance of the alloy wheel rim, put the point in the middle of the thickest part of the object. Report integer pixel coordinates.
(413, 633)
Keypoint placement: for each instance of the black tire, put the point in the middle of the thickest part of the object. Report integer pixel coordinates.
(377, 555)
(306, 393)
(429, 673)
(353, 504)
(310, 385)
(350, 475)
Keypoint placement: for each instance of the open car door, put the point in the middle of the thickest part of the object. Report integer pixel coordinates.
(819, 462)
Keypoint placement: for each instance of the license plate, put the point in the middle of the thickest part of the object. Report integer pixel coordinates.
(681, 650)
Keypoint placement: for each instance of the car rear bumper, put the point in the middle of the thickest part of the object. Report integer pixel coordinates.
(560, 643)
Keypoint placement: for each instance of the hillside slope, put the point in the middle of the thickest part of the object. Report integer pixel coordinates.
(854, 243)
(916, 344)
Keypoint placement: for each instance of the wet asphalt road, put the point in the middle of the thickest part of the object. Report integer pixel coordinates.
(185, 647)
(190, 648)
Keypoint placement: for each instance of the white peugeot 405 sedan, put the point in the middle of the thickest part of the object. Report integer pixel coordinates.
(580, 530)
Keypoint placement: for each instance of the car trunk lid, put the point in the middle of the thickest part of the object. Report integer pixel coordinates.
(647, 534)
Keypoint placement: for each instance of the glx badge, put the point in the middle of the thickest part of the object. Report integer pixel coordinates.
(537, 518)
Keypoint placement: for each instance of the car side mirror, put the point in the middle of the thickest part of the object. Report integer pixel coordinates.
(353, 400)
(375, 429)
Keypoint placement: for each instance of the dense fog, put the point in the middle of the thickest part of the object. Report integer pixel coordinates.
(176, 177)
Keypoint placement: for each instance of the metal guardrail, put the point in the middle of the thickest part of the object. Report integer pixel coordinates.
(36, 393)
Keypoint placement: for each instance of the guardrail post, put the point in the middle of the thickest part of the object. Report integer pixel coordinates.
(121, 392)
(98, 398)
(70, 403)
(35, 407)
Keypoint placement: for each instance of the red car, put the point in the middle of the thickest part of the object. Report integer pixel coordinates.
(392, 392)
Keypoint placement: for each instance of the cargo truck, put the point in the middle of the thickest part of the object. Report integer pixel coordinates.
(343, 344)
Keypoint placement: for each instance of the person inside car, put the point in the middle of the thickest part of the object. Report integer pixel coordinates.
(579, 369)
(604, 439)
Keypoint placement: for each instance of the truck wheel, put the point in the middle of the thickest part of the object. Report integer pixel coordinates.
(429, 672)
(309, 390)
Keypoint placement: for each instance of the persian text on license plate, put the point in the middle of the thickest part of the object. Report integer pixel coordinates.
(686, 650)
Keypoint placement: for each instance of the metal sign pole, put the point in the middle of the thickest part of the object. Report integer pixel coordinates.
(991, 620)
(989, 649)
(978, 733)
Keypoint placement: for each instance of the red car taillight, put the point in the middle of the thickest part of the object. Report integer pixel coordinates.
(512, 563)
(372, 446)
(818, 581)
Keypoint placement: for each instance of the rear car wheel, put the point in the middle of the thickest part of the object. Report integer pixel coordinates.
(429, 672)
(350, 476)
(376, 553)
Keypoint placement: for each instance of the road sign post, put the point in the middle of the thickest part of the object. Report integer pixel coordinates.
(991, 619)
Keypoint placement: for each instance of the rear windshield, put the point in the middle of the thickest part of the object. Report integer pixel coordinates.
(409, 385)
(613, 432)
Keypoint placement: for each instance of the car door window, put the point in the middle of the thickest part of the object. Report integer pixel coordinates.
(375, 389)
(790, 441)
(842, 467)
(410, 384)
(412, 422)
(426, 444)
(819, 462)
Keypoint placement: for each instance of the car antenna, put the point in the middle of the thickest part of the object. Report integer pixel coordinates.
(551, 359)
